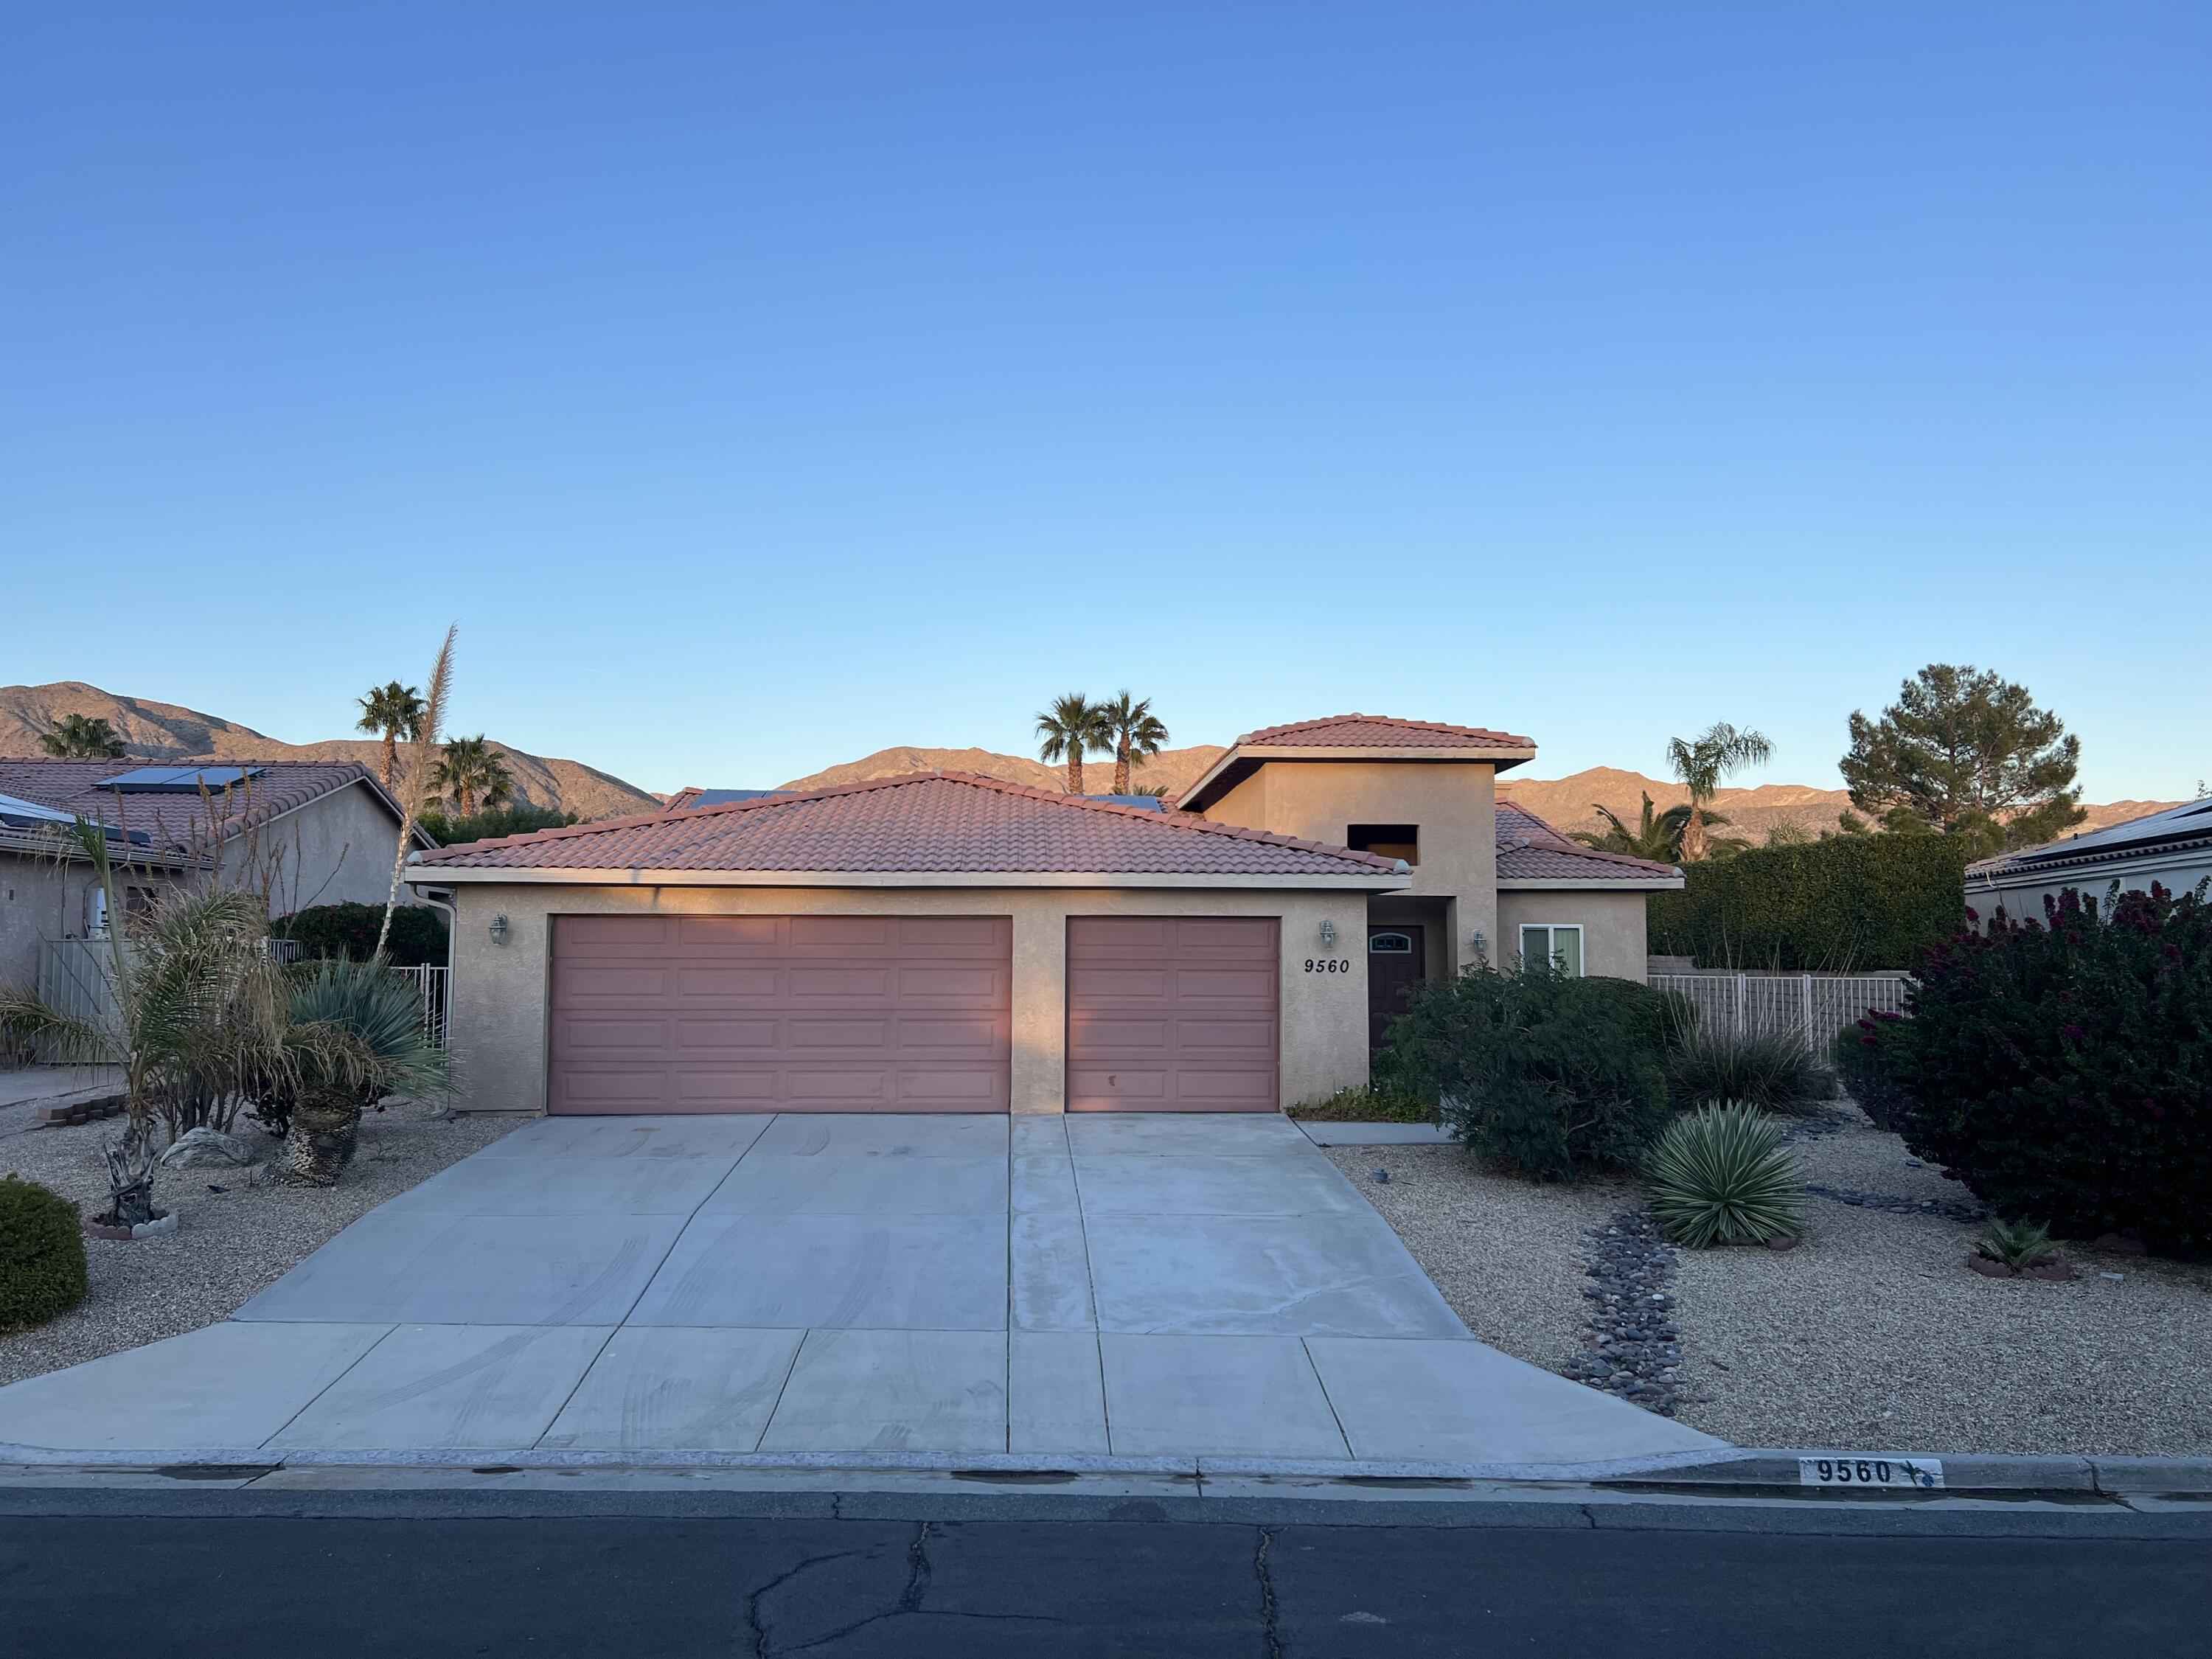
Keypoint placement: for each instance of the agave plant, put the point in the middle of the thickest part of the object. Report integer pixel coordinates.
(2016, 1244)
(355, 1034)
(1720, 1176)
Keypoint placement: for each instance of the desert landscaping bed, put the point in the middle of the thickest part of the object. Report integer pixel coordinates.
(229, 1244)
(1871, 1332)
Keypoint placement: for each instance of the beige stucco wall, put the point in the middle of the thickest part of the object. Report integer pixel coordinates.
(1455, 803)
(499, 991)
(1613, 925)
(40, 900)
(334, 850)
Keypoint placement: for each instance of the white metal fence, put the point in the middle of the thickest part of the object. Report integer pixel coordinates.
(432, 984)
(75, 979)
(1818, 1006)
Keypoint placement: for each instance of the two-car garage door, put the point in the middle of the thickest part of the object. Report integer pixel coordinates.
(781, 1014)
(903, 1013)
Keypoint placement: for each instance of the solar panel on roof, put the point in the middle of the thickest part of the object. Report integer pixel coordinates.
(177, 780)
(724, 797)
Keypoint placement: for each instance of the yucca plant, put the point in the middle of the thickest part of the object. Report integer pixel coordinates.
(355, 1035)
(2016, 1244)
(1720, 1176)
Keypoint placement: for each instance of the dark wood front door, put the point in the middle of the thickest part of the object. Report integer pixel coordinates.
(1394, 962)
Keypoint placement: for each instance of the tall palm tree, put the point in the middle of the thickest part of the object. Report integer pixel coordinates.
(393, 711)
(1072, 726)
(1134, 732)
(1701, 763)
(76, 738)
(471, 773)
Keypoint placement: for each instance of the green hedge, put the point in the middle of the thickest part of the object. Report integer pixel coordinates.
(418, 932)
(41, 1255)
(1851, 903)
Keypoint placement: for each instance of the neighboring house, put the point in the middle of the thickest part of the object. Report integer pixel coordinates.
(2173, 848)
(304, 832)
(944, 942)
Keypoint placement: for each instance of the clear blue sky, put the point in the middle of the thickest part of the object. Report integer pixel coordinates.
(818, 377)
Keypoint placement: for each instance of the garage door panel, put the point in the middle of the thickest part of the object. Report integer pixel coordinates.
(698, 982)
(1173, 1014)
(779, 1013)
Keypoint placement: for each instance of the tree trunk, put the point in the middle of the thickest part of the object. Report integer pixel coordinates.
(1075, 771)
(131, 1173)
(1693, 835)
(389, 760)
(320, 1142)
(1122, 767)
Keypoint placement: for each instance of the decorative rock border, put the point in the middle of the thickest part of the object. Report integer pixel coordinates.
(1632, 1347)
(1949, 1209)
(164, 1223)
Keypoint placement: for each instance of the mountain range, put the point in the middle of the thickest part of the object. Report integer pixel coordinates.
(162, 731)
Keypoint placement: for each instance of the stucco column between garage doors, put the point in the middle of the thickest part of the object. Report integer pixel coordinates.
(498, 1016)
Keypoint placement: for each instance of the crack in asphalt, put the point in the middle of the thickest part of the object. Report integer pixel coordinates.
(754, 1626)
(1269, 1625)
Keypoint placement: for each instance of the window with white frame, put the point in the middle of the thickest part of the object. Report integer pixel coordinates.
(1558, 943)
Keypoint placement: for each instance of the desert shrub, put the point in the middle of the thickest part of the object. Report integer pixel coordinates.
(1371, 1102)
(1720, 1176)
(2017, 1244)
(1848, 902)
(491, 823)
(418, 932)
(41, 1255)
(1773, 1071)
(2063, 1069)
(1538, 1074)
(1868, 1071)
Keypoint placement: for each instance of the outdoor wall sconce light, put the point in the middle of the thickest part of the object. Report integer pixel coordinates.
(1481, 946)
(499, 930)
(1327, 935)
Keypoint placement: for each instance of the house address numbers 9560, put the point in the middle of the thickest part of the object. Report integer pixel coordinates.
(1328, 964)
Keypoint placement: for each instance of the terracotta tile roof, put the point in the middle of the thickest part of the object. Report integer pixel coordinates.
(930, 822)
(1379, 731)
(1529, 849)
(181, 821)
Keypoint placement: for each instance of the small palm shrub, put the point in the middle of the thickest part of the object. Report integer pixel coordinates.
(355, 1035)
(1720, 1176)
(2015, 1244)
(1774, 1070)
(41, 1255)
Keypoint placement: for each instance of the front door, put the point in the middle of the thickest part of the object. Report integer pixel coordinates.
(1394, 962)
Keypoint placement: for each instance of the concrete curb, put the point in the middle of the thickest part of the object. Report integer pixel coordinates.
(1769, 1467)
(1752, 1472)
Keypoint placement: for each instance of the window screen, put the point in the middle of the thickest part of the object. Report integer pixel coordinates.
(1560, 945)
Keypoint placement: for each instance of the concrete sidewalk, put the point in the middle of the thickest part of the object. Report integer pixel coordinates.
(1133, 1290)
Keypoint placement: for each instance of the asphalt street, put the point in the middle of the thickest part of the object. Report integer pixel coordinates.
(224, 1578)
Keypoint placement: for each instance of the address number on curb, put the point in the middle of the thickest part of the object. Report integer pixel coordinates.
(1896, 1473)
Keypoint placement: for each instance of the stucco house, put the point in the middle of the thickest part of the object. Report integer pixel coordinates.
(945, 942)
(302, 832)
(2173, 848)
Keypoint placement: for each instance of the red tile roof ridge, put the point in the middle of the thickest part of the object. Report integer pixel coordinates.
(1267, 733)
(1023, 791)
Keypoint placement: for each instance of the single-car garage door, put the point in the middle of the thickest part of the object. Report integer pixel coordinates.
(781, 1014)
(1171, 1013)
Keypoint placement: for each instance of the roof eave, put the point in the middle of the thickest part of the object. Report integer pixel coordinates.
(1240, 763)
(1591, 883)
(420, 873)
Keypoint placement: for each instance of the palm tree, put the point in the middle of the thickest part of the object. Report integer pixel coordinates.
(1701, 763)
(1133, 733)
(393, 711)
(1070, 727)
(1657, 835)
(76, 738)
(354, 1034)
(471, 773)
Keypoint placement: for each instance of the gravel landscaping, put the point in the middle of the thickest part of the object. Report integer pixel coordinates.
(1871, 1333)
(230, 1244)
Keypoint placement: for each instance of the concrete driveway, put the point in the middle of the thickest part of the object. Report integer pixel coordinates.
(954, 1287)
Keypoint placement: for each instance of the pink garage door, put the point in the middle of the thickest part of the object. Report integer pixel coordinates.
(1171, 1014)
(781, 1014)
